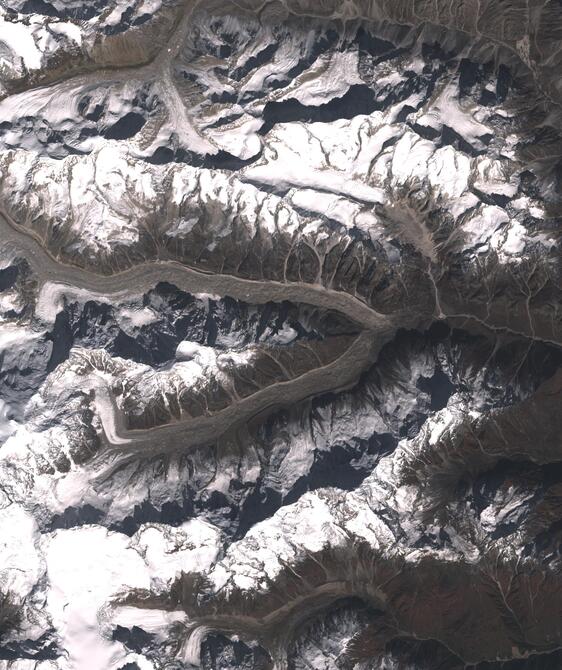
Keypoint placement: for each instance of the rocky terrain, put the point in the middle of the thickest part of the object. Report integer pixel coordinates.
(280, 335)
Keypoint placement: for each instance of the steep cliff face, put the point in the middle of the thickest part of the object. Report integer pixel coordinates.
(280, 335)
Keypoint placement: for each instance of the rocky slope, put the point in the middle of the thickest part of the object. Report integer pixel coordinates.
(280, 335)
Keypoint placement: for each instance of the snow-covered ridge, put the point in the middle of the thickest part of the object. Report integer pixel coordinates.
(434, 131)
(279, 335)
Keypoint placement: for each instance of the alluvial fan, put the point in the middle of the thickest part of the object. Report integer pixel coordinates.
(280, 335)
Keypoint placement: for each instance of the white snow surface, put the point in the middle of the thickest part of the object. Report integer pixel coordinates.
(88, 567)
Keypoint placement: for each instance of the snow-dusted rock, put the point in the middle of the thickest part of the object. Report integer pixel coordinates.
(280, 335)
